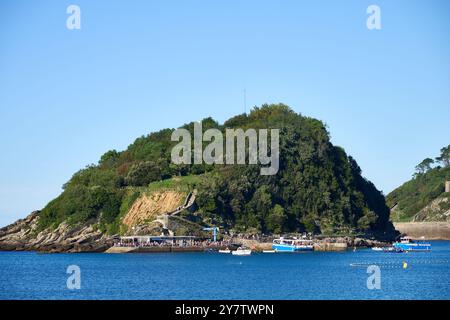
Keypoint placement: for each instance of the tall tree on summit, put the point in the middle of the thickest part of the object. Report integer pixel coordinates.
(424, 166)
(444, 158)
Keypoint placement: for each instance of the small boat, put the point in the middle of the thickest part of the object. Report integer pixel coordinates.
(408, 244)
(386, 249)
(393, 250)
(241, 252)
(292, 245)
(269, 251)
(225, 251)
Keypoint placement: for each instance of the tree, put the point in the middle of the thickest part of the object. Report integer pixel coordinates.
(276, 219)
(109, 159)
(310, 224)
(368, 219)
(445, 156)
(262, 202)
(143, 173)
(424, 166)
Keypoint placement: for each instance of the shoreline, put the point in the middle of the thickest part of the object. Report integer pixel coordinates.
(342, 247)
(321, 245)
(22, 236)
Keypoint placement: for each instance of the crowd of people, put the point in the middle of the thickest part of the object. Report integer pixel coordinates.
(175, 243)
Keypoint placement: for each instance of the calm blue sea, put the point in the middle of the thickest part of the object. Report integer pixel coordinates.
(314, 275)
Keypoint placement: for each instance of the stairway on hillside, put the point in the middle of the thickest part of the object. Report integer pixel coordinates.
(189, 202)
(163, 219)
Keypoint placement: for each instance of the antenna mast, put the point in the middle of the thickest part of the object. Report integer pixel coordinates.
(245, 101)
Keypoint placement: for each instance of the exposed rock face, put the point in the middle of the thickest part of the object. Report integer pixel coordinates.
(147, 208)
(436, 210)
(22, 235)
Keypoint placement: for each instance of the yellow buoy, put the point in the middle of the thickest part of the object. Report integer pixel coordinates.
(405, 265)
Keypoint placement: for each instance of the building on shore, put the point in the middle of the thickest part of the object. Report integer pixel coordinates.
(149, 241)
(141, 244)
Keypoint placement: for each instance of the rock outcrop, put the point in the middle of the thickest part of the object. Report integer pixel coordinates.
(147, 208)
(437, 210)
(24, 235)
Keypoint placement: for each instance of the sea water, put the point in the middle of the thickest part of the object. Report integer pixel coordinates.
(308, 275)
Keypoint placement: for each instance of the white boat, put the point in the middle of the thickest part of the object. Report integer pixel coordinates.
(225, 251)
(269, 251)
(242, 252)
(377, 249)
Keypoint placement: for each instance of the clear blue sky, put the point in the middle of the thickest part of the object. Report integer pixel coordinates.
(67, 96)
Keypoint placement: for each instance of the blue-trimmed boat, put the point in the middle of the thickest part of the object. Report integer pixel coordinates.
(408, 244)
(292, 245)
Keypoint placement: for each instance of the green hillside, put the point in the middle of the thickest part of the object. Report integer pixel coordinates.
(427, 184)
(318, 188)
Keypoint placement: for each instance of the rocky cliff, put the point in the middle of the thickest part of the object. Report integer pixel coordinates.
(437, 210)
(147, 207)
(23, 235)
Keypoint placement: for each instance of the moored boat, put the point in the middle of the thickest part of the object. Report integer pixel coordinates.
(392, 250)
(241, 252)
(387, 249)
(292, 245)
(225, 251)
(408, 244)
